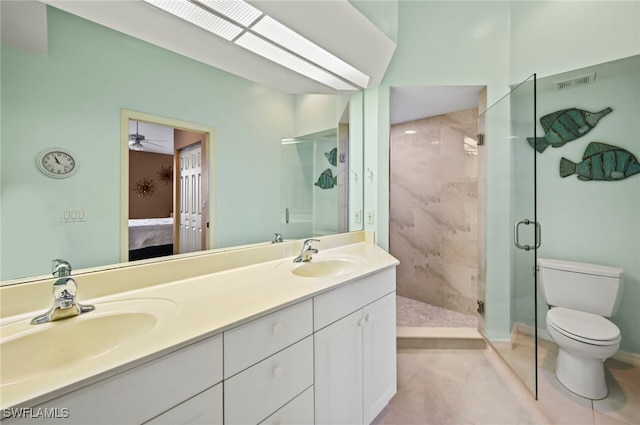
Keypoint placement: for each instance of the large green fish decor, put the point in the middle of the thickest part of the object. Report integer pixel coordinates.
(326, 180)
(602, 162)
(332, 156)
(565, 126)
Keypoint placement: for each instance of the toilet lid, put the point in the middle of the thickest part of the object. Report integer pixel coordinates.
(585, 327)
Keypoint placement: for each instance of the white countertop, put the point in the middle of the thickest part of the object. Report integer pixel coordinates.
(204, 306)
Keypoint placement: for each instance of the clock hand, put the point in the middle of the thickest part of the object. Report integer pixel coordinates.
(56, 160)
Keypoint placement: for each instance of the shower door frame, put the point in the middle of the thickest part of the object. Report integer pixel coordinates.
(522, 290)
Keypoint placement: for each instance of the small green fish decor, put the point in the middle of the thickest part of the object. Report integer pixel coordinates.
(332, 156)
(565, 126)
(326, 180)
(602, 162)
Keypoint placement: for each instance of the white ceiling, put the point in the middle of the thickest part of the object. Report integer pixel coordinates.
(415, 102)
(334, 25)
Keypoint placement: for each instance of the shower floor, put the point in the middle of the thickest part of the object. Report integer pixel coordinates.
(420, 325)
(412, 313)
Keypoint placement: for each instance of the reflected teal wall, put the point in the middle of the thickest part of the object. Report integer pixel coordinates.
(72, 98)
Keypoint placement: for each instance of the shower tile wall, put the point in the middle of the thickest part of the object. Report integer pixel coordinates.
(434, 209)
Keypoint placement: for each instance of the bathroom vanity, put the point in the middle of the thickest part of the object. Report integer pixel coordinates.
(260, 342)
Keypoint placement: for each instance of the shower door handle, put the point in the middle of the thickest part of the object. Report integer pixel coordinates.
(516, 236)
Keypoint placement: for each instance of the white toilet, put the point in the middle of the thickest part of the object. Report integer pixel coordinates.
(581, 295)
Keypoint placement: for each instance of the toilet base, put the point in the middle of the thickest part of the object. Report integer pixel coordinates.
(581, 375)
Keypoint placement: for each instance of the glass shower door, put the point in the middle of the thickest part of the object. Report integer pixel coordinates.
(511, 322)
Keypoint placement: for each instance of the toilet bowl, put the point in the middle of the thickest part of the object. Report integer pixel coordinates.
(580, 297)
(585, 341)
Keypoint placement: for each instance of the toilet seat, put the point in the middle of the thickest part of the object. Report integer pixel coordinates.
(584, 327)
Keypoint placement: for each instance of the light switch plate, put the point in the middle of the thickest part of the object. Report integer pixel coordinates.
(370, 217)
(357, 216)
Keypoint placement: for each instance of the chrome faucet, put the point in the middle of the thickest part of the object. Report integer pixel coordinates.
(64, 296)
(307, 251)
(277, 238)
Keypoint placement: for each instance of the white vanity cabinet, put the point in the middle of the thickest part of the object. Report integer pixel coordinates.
(140, 394)
(202, 409)
(355, 350)
(329, 359)
(268, 363)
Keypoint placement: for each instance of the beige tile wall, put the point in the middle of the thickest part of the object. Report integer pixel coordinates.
(434, 209)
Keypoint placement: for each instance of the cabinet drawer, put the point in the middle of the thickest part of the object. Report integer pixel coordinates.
(298, 411)
(140, 394)
(246, 345)
(204, 409)
(338, 303)
(254, 394)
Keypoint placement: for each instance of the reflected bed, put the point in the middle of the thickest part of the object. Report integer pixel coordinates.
(150, 237)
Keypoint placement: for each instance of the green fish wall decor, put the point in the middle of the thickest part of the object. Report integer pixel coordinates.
(565, 126)
(602, 162)
(326, 180)
(332, 156)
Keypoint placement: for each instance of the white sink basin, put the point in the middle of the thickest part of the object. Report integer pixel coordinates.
(28, 351)
(323, 267)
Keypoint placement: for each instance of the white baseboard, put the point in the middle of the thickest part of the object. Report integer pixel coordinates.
(524, 329)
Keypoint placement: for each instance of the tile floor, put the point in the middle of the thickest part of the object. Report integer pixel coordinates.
(475, 386)
(561, 406)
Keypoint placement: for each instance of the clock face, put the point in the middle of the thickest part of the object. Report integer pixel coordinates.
(57, 163)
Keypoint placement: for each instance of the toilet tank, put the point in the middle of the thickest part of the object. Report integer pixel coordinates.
(591, 288)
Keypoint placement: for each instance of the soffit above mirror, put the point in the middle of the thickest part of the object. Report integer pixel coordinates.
(336, 26)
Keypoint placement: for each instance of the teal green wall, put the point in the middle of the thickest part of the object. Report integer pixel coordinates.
(498, 44)
(72, 98)
(596, 222)
(576, 229)
(447, 43)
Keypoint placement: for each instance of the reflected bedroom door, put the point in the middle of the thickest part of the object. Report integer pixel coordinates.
(191, 202)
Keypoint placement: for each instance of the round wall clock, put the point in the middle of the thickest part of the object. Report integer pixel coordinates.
(58, 163)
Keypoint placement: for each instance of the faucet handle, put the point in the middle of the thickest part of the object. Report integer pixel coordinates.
(61, 268)
(308, 242)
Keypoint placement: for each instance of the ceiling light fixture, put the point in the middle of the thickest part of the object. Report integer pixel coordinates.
(291, 40)
(198, 16)
(274, 53)
(248, 27)
(239, 11)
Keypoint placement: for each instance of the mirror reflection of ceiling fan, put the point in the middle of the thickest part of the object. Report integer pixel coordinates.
(137, 141)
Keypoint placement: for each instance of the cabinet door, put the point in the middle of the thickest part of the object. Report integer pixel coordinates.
(379, 355)
(338, 372)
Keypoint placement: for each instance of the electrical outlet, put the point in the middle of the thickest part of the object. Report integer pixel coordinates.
(357, 216)
(370, 217)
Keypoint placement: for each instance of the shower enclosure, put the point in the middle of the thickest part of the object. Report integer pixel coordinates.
(314, 194)
(511, 307)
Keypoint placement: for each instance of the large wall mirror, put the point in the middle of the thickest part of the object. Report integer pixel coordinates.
(85, 93)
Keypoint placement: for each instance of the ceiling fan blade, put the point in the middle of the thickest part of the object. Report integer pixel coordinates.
(154, 144)
(154, 140)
